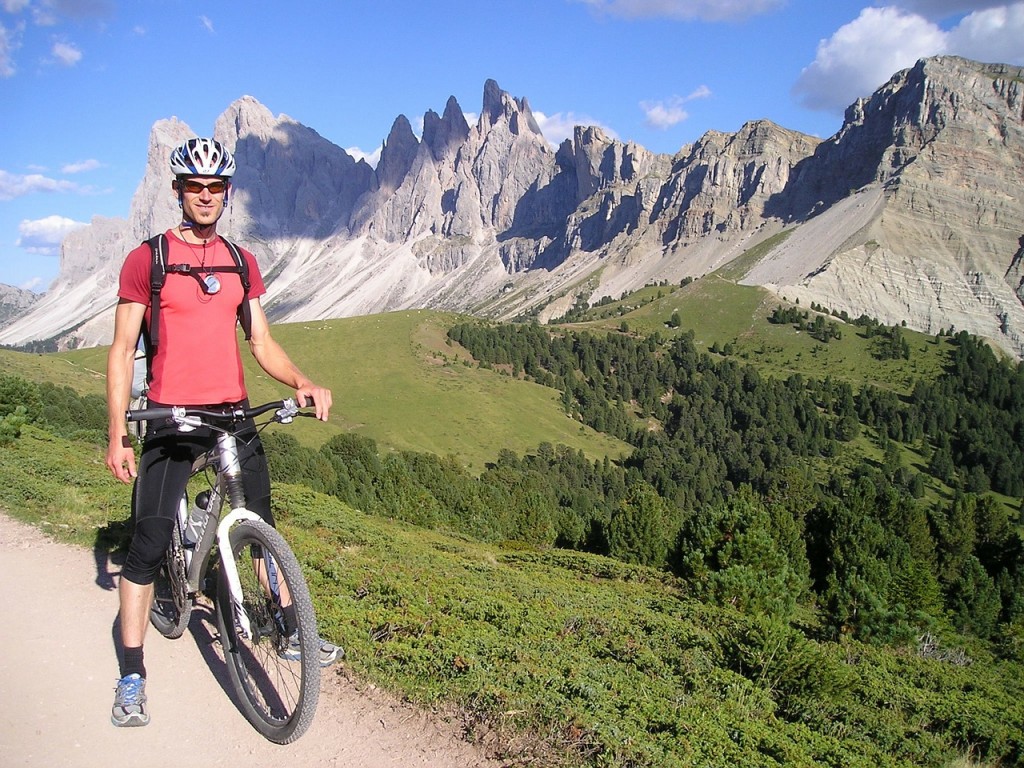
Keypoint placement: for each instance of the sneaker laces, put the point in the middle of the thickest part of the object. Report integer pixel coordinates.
(130, 690)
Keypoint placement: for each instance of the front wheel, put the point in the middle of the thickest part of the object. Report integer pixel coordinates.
(276, 671)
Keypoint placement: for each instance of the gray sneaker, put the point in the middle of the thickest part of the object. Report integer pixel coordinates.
(130, 702)
(329, 652)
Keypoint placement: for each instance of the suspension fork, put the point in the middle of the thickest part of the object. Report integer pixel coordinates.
(231, 471)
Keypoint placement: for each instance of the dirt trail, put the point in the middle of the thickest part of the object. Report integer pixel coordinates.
(58, 669)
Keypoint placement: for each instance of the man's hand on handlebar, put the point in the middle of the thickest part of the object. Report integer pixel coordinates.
(318, 397)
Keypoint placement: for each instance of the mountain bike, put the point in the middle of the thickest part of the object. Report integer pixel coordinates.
(275, 674)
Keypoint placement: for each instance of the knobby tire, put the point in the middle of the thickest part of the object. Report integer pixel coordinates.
(279, 697)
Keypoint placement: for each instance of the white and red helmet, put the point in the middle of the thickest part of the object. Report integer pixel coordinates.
(202, 157)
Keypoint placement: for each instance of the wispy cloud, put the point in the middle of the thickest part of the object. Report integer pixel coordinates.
(66, 53)
(862, 55)
(207, 23)
(10, 41)
(32, 284)
(686, 10)
(665, 113)
(14, 185)
(82, 166)
(45, 13)
(559, 126)
(43, 236)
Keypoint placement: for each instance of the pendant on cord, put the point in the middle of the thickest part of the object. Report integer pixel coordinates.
(212, 284)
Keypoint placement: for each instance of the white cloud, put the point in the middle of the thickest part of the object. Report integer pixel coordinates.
(14, 185)
(207, 23)
(665, 113)
(43, 16)
(32, 284)
(43, 236)
(993, 35)
(559, 126)
(373, 158)
(863, 55)
(67, 54)
(943, 9)
(10, 41)
(706, 10)
(14, 6)
(81, 167)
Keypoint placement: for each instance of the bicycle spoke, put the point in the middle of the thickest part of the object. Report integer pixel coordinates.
(278, 693)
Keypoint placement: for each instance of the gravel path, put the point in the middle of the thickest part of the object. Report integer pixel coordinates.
(58, 670)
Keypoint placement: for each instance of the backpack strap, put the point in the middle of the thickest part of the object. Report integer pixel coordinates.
(157, 275)
(244, 310)
(158, 270)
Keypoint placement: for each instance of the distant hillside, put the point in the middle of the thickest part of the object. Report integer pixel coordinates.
(862, 611)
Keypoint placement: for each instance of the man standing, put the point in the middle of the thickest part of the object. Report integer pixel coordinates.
(196, 362)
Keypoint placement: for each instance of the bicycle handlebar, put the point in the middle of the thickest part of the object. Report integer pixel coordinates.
(287, 409)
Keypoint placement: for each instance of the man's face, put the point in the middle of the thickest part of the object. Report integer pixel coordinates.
(202, 198)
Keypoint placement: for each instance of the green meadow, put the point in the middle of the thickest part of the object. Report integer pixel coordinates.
(394, 378)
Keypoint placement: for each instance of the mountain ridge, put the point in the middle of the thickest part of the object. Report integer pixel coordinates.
(910, 213)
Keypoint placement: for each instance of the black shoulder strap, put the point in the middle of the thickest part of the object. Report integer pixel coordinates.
(158, 273)
(244, 311)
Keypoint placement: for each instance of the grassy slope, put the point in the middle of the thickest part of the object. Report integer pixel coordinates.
(573, 657)
(598, 659)
(395, 379)
(718, 310)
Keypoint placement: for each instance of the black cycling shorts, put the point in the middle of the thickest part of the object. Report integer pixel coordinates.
(164, 469)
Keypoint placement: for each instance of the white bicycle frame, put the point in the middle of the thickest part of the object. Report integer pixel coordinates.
(231, 567)
(230, 467)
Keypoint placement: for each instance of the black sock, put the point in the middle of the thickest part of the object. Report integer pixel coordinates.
(291, 623)
(133, 663)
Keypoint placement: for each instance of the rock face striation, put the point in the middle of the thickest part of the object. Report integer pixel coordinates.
(911, 213)
(15, 302)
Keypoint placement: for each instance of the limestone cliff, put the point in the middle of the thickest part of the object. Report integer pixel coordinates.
(911, 213)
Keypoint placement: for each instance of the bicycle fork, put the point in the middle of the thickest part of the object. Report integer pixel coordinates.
(235, 497)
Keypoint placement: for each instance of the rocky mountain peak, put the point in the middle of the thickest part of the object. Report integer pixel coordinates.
(444, 134)
(911, 213)
(500, 106)
(247, 117)
(397, 155)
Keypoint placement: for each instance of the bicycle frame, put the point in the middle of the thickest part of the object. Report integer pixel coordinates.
(227, 489)
(265, 617)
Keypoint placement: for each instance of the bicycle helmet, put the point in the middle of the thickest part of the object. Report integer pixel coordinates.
(202, 157)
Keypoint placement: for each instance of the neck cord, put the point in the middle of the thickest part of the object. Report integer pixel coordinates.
(202, 258)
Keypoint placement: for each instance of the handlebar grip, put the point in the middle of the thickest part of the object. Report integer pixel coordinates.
(149, 414)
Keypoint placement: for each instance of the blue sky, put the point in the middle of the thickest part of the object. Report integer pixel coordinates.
(83, 81)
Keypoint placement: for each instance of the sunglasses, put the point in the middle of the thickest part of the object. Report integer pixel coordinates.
(196, 187)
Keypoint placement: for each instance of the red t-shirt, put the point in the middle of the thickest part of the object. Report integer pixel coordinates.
(197, 361)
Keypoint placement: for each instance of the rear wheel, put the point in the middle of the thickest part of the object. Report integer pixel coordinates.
(172, 605)
(278, 683)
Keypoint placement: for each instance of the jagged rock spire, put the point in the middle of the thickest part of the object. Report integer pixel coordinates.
(910, 213)
(444, 134)
(498, 104)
